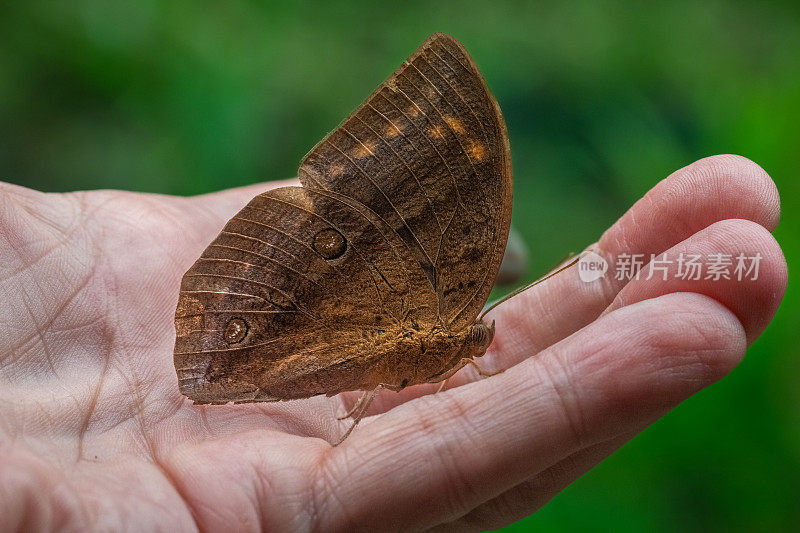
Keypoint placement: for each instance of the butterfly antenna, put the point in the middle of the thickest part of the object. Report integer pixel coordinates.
(529, 285)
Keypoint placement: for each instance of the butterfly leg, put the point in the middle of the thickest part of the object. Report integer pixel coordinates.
(481, 371)
(356, 406)
(461, 364)
(362, 405)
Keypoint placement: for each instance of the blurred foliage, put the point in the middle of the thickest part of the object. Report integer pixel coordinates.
(601, 99)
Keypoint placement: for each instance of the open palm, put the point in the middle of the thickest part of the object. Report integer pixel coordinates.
(94, 433)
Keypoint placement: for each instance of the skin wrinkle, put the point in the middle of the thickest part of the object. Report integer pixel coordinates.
(107, 517)
(40, 504)
(139, 411)
(13, 379)
(38, 331)
(134, 406)
(67, 234)
(35, 213)
(122, 417)
(172, 220)
(559, 381)
(25, 239)
(291, 505)
(447, 454)
(324, 501)
(291, 425)
(701, 369)
(93, 403)
(40, 328)
(260, 494)
(176, 486)
(26, 266)
(672, 367)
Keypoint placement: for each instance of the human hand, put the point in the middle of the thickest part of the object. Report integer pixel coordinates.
(94, 433)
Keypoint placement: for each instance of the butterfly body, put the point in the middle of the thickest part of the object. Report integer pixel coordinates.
(373, 272)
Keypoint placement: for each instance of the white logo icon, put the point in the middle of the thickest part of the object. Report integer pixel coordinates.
(591, 267)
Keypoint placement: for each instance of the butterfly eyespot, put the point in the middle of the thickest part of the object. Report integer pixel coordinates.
(235, 331)
(329, 243)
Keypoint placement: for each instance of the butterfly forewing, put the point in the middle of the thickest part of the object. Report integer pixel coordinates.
(428, 153)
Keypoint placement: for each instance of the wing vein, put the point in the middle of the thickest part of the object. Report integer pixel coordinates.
(456, 91)
(260, 284)
(360, 254)
(403, 161)
(226, 293)
(422, 134)
(366, 175)
(439, 112)
(224, 259)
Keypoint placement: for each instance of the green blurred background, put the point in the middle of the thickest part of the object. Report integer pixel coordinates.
(601, 99)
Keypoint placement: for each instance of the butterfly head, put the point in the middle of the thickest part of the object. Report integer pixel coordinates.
(479, 337)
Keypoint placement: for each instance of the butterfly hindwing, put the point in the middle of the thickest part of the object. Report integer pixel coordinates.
(313, 277)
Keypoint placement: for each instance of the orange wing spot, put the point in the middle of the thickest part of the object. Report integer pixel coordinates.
(456, 125)
(436, 132)
(392, 131)
(189, 316)
(477, 150)
(364, 149)
(413, 110)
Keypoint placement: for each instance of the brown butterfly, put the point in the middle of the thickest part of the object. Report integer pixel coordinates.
(372, 274)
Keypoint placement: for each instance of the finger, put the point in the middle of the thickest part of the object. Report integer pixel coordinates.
(753, 301)
(693, 198)
(442, 455)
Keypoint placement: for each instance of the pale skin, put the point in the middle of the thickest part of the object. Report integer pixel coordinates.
(94, 434)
